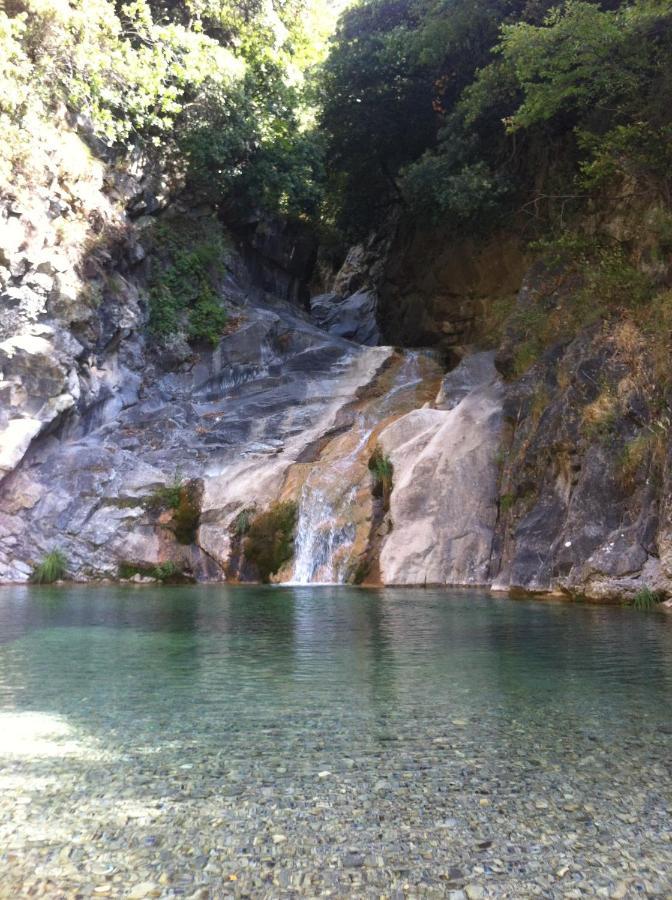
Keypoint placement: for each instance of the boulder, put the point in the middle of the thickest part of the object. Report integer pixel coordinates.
(15, 440)
(353, 317)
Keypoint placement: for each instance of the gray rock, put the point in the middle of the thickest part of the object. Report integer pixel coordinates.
(353, 317)
(477, 368)
(443, 503)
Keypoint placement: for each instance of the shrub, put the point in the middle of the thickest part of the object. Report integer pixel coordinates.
(52, 568)
(184, 499)
(270, 539)
(166, 571)
(183, 289)
(647, 599)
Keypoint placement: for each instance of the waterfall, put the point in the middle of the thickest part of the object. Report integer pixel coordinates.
(326, 530)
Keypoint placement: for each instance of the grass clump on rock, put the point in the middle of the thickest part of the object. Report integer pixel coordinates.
(647, 599)
(184, 499)
(187, 513)
(52, 568)
(269, 542)
(168, 495)
(382, 470)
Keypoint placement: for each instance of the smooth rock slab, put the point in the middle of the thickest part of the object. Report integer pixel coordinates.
(444, 499)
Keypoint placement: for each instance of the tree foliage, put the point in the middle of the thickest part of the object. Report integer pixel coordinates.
(214, 85)
(468, 110)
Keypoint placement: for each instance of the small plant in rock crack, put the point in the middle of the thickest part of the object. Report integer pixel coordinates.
(168, 495)
(382, 470)
(52, 568)
(242, 522)
(506, 501)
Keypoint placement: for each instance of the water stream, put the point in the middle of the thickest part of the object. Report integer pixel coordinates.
(324, 529)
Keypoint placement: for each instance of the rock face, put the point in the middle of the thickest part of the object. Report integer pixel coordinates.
(234, 421)
(279, 257)
(545, 472)
(443, 506)
(585, 461)
(353, 317)
(432, 288)
(67, 299)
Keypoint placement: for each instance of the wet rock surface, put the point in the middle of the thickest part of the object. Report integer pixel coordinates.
(236, 418)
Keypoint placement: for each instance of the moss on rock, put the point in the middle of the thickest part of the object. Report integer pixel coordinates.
(269, 543)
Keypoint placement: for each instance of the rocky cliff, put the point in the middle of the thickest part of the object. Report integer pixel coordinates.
(539, 462)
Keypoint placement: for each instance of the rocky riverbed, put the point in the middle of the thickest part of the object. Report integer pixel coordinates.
(397, 818)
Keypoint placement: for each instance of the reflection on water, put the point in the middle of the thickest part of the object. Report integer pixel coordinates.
(500, 717)
(172, 655)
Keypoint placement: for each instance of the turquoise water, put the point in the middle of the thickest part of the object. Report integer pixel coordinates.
(270, 741)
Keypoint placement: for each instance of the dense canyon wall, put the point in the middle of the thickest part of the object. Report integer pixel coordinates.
(582, 493)
(540, 461)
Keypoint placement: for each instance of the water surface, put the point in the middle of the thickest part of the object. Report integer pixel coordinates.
(210, 741)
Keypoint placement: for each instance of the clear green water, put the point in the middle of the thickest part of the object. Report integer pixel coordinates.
(269, 741)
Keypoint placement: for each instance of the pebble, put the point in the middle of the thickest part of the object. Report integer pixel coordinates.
(474, 892)
(142, 890)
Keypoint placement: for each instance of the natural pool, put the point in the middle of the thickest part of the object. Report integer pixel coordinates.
(265, 742)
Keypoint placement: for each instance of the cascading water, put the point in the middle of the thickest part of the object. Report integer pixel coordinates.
(326, 530)
(323, 530)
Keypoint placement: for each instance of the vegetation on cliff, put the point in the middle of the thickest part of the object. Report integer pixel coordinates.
(215, 91)
(52, 568)
(269, 541)
(461, 112)
(469, 112)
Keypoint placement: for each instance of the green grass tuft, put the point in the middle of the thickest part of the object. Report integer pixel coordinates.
(168, 496)
(52, 568)
(166, 571)
(382, 470)
(506, 501)
(647, 599)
